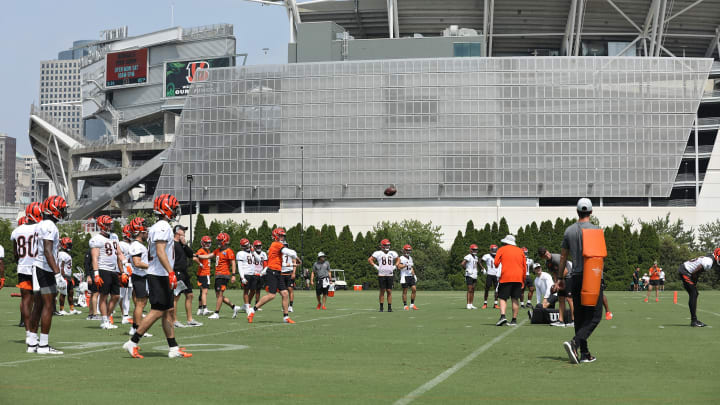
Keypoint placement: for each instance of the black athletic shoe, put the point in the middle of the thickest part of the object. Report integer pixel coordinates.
(502, 321)
(697, 324)
(21, 324)
(56, 313)
(587, 358)
(389, 309)
(522, 305)
(513, 322)
(381, 310)
(571, 351)
(530, 315)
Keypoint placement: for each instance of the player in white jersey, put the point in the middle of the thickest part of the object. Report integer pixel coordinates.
(290, 262)
(161, 278)
(492, 272)
(246, 269)
(108, 262)
(408, 278)
(25, 247)
(470, 265)
(260, 261)
(689, 273)
(65, 261)
(138, 254)
(384, 262)
(125, 277)
(46, 274)
(529, 285)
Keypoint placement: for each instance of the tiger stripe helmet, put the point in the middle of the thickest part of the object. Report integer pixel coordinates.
(66, 243)
(223, 238)
(167, 206)
(137, 225)
(22, 221)
(33, 212)
(127, 231)
(55, 206)
(277, 233)
(104, 223)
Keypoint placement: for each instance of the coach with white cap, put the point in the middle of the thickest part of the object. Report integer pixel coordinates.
(512, 277)
(586, 318)
(321, 270)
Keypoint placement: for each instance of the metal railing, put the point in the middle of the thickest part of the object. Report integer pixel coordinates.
(711, 94)
(702, 149)
(708, 122)
(207, 31)
(47, 116)
(685, 177)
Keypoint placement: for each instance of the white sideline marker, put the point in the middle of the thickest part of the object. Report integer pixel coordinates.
(452, 370)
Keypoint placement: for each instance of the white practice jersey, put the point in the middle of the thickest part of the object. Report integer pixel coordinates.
(108, 249)
(288, 260)
(543, 284)
(662, 275)
(64, 261)
(2, 252)
(259, 260)
(407, 271)
(161, 231)
(46, 230)
(27, 247)
(471, 266)
(529, 264)
(138, 249)
(489, 261)
(124, 248)
(701, 263)
(385, 262)
(245, 263)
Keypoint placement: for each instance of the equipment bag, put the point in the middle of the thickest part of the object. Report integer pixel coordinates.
(594, 252)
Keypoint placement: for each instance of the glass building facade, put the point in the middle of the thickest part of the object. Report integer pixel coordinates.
(438, 128)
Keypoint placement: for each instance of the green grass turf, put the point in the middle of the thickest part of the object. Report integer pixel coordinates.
(353, 354)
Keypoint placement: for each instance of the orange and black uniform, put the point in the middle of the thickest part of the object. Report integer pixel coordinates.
(512, 276)
(223, 266)
(203, 274)
(274, 280)
(654, 275)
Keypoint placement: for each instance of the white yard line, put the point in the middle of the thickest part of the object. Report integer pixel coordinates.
(709, 312)
(65, 356)
(457, 367)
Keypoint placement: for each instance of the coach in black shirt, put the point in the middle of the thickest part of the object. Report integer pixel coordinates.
(183, 253)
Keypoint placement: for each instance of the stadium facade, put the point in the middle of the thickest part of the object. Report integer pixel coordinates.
(473, 109)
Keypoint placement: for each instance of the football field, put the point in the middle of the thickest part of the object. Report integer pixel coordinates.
(350, 353)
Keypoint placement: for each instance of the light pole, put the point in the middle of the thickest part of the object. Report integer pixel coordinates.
(190, 181)
(302, 203)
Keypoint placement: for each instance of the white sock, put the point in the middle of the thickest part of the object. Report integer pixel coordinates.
(495, 302)
(44, 339)
(105, 319)
(32, 339)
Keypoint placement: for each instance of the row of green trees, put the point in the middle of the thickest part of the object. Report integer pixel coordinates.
(629, 246)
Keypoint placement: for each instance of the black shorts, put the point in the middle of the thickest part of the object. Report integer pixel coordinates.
(221, 283)
(654, 282)
(275, 281)
(470, 281)
(185, 279)
(253, 282)
(319, 290)
(111, 282)
(161, 296)
(203, 282)
(140, 286)
(287, 278)
(45, 282)
(409, 282)
(25, 282)
(385, 282)
(491, 281)
(510, 290)
(529, 282)
(662, 282)
(567, 292)
(91, 285)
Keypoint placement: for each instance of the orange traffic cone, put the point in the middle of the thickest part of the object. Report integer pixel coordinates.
(675, 297)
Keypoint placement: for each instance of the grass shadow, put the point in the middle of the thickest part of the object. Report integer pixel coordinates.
(563, 359)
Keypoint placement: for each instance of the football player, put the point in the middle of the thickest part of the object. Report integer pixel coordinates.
(203, 274)
(65, 261)
(383, 261)
(470, 265)
(225, 269)
(529, 284)
(689, 273)
(260, 261)
(25, 247)
(407, 277)
(289, 265)
(275, 282)
(46, 274)
(491, 281)
(107, 263)
(139, 261)
(246, 269)
(126, 281)
(160, 277)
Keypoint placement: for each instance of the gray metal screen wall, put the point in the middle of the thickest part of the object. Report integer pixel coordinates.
(447, 128)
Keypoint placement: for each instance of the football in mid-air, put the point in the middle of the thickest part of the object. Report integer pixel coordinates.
(390, 191)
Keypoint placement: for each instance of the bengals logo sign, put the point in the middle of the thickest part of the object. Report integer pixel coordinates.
(197, 71)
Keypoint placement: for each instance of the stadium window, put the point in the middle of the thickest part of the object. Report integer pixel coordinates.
(467, 49)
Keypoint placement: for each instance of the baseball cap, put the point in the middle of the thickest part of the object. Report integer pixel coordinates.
(536, 266)
(584, 205)
(176, 227)
(321, 254)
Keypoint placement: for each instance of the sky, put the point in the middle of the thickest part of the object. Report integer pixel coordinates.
(35, 30)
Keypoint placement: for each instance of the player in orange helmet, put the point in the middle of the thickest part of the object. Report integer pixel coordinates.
(25, 248)
(225, 270)
(65, 261)
(275, 281)
(203, 274)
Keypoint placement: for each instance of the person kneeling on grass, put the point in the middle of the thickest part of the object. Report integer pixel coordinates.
(512, 277)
